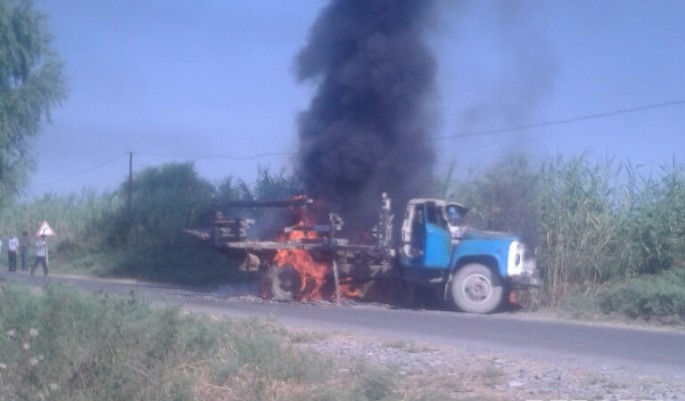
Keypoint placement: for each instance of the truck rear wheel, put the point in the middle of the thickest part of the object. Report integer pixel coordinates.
(476, 290)
(284, 283)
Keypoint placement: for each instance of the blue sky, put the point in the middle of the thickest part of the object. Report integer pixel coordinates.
(212, 82)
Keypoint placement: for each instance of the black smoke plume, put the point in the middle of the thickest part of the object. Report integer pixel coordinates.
(367, 128)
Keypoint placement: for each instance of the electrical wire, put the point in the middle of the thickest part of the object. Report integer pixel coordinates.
(462, 135)
(82, 172)
(562, 122)
(215, 156)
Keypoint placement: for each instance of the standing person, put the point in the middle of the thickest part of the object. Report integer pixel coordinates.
(24, 249)
(12, 248)
(41, 255)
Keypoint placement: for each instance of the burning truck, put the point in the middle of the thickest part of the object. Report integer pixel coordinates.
(473, 270)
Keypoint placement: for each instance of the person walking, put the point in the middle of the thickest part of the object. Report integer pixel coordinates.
(12, 248)
(41, 255)
(24, 250)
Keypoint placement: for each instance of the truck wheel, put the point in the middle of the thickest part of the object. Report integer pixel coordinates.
(284, 283)
(475, 290)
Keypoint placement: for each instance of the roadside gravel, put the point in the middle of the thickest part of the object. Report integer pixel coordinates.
(469, 374)
(450, 372)
(479, 373)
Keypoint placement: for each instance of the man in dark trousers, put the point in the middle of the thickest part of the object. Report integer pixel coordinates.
(41, 255)
(12, 248)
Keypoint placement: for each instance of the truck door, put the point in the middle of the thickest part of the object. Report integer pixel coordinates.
(437, 238)
(413, 236)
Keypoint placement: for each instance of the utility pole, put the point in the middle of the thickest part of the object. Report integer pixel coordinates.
(130, 188)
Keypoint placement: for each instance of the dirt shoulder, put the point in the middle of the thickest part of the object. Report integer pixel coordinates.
(460, 373)
(453, 373)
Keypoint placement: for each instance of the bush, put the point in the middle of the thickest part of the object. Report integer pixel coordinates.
(660, 297)
(594, 224)
(63, 345)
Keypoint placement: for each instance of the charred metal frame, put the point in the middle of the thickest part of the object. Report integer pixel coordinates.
(229, 235)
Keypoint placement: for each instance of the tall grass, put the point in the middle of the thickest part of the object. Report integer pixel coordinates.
(99, 233)
(595, 225)
(72, 217)
(63, 345)
(504, 197)
(69, 216)
(576, 223)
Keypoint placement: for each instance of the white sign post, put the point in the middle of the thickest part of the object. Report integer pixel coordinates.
(45, 229)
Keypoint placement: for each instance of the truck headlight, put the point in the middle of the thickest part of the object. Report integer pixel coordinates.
(515, 258)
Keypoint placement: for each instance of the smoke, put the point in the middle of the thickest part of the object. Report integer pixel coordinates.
(512, 93)
(367, 128)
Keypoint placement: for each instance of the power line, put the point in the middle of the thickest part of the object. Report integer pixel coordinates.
(562, 122)
(462, 135)
(82, 172)
(216, 156)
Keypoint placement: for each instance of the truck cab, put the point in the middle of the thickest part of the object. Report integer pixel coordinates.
(475, 269)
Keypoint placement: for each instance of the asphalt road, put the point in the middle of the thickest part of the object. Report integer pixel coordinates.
(651, 350)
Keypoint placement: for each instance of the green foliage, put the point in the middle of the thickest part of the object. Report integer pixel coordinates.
(148, 241)
(63, 345)
(654, 221)
(97, 234)
(649, 297)
(31, 83)
(72, 217)
(231, 188)
(165, 200)
(503, 198)
(275, 186)
(593, 224)
(576, 219)
(191, 263)
(580, 306)
(373, 384)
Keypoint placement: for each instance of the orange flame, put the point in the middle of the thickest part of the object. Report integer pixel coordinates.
(312, 274)
(349, 290)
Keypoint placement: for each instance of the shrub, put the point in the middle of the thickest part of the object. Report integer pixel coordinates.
(63, 345)
(649, 297)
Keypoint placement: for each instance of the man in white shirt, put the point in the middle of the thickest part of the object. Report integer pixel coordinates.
(41, 255)
(12, 248)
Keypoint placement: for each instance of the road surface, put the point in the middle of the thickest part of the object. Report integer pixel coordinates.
(652, 350)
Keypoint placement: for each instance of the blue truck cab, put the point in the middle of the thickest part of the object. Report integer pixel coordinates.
(475, 269)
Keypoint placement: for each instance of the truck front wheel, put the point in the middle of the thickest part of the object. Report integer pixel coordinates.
(476, 290)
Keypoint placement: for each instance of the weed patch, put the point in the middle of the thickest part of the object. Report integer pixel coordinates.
(659, 298)
(64, 345)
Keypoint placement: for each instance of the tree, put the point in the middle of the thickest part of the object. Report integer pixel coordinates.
(166, 199)
(31, 83)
